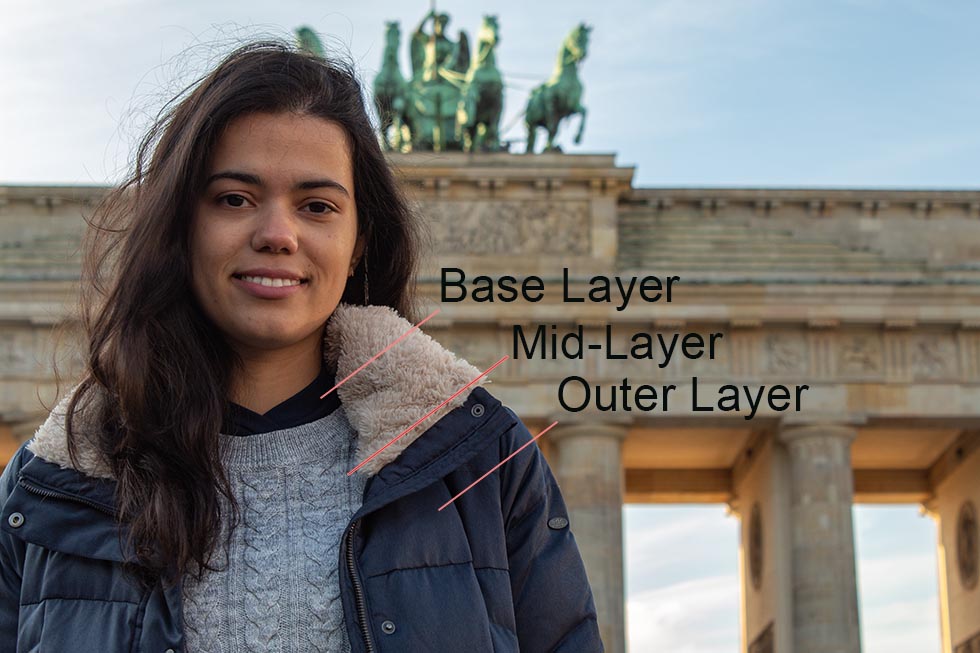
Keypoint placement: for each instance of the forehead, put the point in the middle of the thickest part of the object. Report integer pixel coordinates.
(283, 147)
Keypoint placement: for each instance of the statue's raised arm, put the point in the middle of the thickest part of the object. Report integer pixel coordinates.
(420, 38)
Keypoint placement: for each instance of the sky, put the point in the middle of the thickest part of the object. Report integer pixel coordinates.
(753, 93)
(683, 587)
(758, 93)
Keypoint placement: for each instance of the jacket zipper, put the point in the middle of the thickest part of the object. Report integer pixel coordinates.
(62, 495)
(358, 591)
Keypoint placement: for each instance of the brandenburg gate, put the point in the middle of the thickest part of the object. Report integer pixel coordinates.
(868, 298)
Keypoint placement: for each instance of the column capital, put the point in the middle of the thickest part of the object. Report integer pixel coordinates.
(616, 430)
(840, 430)
(835, 417)
(734, 507)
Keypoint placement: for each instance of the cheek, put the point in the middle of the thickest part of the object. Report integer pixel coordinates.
(198, 265)
(206, 250)
(205, 270)
(336, 251)
(198, 280)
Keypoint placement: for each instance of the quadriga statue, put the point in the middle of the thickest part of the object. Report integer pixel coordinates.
(561, 96)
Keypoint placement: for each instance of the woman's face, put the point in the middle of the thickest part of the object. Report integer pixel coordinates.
(274, 235)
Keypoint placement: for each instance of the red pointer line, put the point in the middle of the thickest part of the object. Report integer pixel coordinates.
(421, 419)
(496, 466)
(376, 356)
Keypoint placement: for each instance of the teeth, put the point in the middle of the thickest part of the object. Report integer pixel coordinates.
(273, 283)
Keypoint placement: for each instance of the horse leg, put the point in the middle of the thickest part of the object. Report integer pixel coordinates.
(480, 137)
(581, 125)
(465, 120)
(386, 122)
(396, 132)
(480, 123)
(493, 123)
(396, 121)
(552, 128)
(405, 139)
(553, 115)
(532, 116)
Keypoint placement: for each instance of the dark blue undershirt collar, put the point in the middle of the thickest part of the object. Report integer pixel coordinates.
(302, 408)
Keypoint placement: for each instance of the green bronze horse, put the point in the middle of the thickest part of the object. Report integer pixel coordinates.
(561, 96)
(390, 91)
(478, 116)
(308, 41)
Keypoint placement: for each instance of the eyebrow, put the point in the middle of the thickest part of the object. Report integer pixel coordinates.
(247, 178)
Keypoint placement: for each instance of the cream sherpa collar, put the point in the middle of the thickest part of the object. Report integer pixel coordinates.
(381, 401)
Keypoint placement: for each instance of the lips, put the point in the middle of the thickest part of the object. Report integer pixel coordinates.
(271, 273)
(271, 282)
(267, 287)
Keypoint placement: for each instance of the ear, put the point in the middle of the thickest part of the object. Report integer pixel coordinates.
(359, 248)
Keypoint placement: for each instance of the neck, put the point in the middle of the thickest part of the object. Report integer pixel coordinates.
(565, 63)
(270, 377)
(486, 57)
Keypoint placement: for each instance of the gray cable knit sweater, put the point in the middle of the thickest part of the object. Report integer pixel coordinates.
(280, 590)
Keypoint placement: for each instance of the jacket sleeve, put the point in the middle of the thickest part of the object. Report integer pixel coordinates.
(11, 558)
(553, 603)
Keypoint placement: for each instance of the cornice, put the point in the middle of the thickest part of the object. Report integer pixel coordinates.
(816, 202)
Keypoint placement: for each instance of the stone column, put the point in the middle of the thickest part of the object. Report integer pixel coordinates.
(589, 471)
(825, 608)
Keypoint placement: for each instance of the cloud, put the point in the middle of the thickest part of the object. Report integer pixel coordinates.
(668, 545)
(699, 616)
(879, 583)
(901, 626)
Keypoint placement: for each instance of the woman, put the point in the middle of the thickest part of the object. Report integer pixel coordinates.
(192, 492)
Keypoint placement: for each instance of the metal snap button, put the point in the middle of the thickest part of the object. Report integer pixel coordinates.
(15, 519)
(388, 627)
(477, 410)
(557, 523)
(170, 650)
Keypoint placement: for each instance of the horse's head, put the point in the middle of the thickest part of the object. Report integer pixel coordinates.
(308, 41)
(489, 30)
(393, 34)
(578, 40)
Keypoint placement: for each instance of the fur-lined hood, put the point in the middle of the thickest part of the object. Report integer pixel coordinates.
(380, 401)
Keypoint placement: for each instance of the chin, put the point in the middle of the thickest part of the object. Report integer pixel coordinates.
(272, 338)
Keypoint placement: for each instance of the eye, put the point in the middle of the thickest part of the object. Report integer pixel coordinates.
(320, 207)
(238, 200)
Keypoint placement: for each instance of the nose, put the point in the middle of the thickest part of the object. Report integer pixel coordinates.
(275, 229)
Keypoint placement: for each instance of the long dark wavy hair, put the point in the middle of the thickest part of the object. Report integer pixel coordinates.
(159, 368)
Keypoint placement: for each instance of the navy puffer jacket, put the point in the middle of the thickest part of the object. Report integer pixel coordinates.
(497, 570)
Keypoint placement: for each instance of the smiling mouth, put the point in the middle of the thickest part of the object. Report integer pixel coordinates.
(271, 282)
